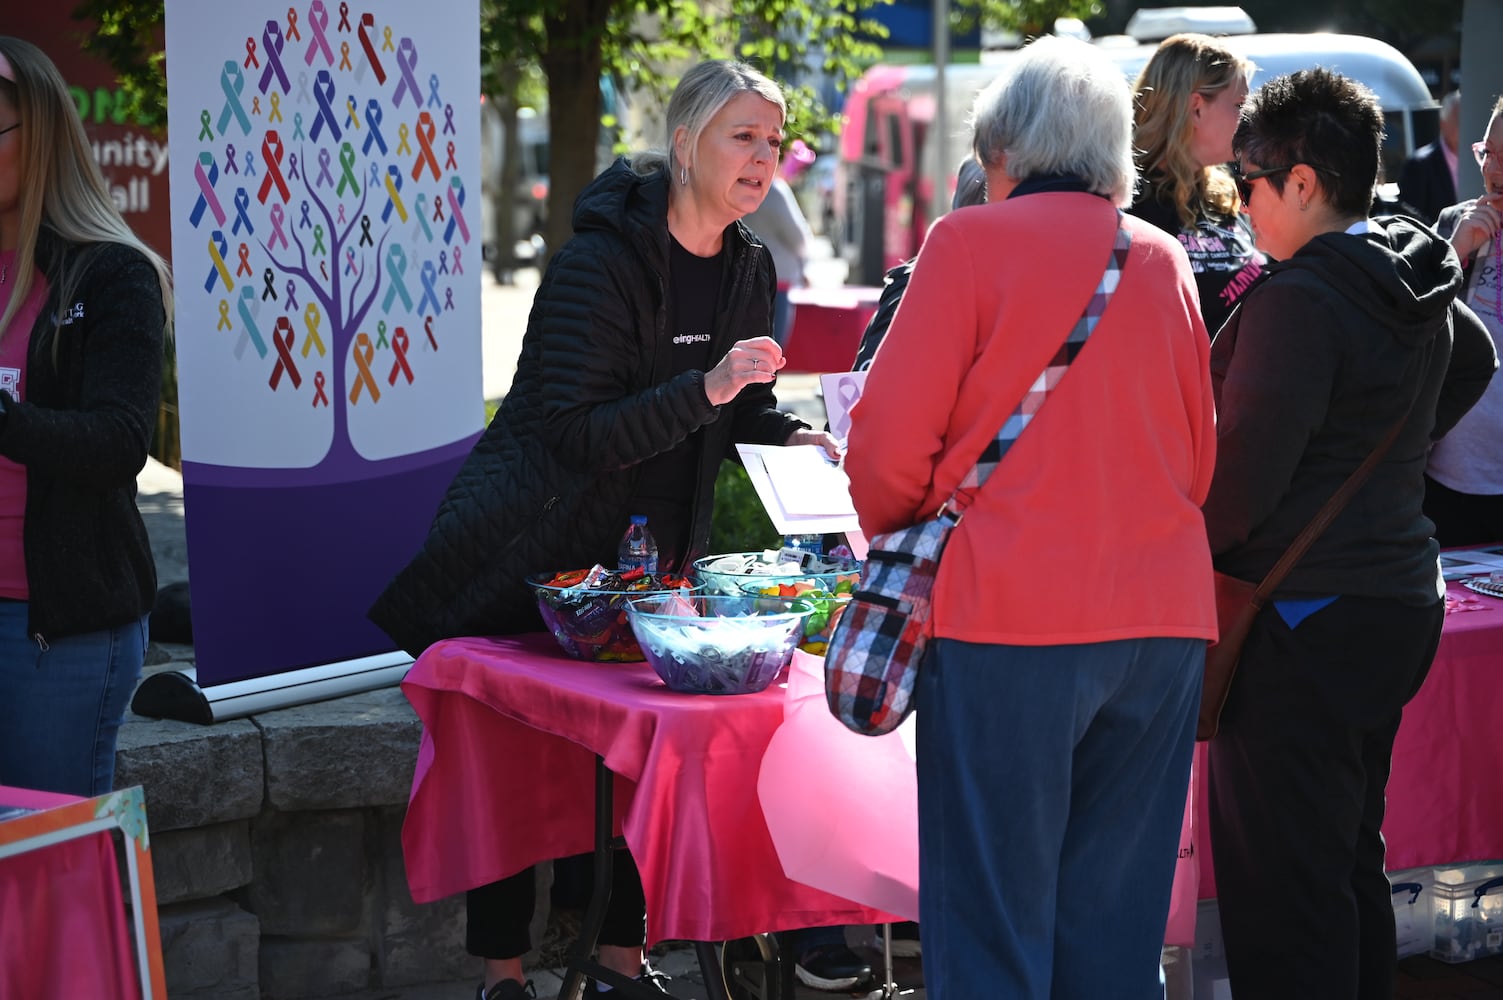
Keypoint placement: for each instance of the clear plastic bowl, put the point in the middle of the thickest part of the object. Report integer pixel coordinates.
(591, 624)
(729, 645)
(754, 573)
(741, 573)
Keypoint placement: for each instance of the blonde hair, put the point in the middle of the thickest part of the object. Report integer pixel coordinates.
(699, 96)
(60, 186)
(1183, 65)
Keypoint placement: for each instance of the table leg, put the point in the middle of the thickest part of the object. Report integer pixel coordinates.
(581, 964)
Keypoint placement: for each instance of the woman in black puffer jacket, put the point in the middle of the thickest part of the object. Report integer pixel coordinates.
(647, 356)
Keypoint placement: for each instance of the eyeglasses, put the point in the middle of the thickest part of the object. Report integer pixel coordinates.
(1481, 152)
(12, 128)
(1244, 181)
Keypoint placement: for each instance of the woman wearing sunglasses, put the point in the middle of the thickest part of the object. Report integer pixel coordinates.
(1464, 481)
(1354, 329)
(1185, 105)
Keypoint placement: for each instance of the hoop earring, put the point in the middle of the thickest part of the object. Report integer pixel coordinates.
(683, 175)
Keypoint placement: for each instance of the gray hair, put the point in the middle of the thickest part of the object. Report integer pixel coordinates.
(699, 96)
(1063, 108)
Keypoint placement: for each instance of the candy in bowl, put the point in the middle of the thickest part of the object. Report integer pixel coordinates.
(716, 644)
(586, 609)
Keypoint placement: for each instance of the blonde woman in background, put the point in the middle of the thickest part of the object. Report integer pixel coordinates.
(84, 309)
(1185, 106)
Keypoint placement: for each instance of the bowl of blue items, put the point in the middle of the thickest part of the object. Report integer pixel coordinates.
(717, 644)
(585, 609)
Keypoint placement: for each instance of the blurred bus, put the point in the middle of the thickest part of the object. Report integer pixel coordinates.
(883, 190)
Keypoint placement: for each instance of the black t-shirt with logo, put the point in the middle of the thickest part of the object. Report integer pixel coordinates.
(665, 488)
(1221, 254)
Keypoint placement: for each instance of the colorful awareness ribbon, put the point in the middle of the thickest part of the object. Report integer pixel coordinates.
(271, 155)
(407, 58)
(456, 218)
(311, 318)
(242, 202)
(232, 82)
(273, 43)
(206, 196)
(347, 171)
(396, 268)
(248, 308)
(373, 120)
(363, 353)
(419, 210)
(318, 22)
(427, 277)
(282, 336)
(399, 350)
(323, 96)
(218, 269)
(368, 20)
(426, 130)
(393, 194)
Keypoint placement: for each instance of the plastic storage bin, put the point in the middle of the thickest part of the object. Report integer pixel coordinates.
(1414, 910)
(1468, 912)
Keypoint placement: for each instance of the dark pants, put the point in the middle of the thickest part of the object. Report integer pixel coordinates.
(1051, 786)
(499, 915)
(1297, 782)
(1463, 518)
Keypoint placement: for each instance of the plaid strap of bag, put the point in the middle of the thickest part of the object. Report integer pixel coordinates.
(1048, 380)
(873, 658)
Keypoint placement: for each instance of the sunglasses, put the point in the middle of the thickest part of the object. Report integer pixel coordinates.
(1244, 181)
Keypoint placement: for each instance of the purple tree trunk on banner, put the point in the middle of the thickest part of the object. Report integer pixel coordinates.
(343, 312)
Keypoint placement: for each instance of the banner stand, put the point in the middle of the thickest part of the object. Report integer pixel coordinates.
(176, 695)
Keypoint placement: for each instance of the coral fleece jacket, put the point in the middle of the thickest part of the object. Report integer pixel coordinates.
(1090, 530)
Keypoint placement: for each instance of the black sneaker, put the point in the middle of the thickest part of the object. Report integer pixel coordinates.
(833, 967)
(507, 989)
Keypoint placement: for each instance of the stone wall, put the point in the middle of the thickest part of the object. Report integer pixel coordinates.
(276, 843)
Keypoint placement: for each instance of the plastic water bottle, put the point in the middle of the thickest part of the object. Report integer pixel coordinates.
(805, 543)
(802, 549)
(638, 548)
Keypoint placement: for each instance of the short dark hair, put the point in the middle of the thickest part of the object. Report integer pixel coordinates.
(1328, 122)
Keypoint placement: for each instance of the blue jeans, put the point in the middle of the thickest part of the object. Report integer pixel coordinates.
(61, 708)
(1051, 785)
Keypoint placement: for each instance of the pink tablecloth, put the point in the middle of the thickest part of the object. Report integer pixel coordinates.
(63, 926)
(505, 778)
(1445, 794)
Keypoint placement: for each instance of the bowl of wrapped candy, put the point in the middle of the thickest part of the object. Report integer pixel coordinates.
(716, 644)
(825, 582)
(585, 609)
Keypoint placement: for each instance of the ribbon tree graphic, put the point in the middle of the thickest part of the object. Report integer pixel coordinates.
(347, 233)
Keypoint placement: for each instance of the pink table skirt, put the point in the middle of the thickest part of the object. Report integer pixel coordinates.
(505, 779)
(1445, 792)
(63, 925)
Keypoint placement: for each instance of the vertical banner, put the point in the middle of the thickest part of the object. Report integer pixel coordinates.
(325, 208)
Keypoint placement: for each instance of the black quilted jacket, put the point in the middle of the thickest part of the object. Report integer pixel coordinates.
(547, 486)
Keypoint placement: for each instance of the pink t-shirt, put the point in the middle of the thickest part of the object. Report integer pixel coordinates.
(14, 341)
